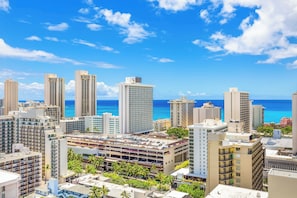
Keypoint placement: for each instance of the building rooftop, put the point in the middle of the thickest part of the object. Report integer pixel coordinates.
(19, 155)
(274, 143)
(76, 188)
(225, 191)
(283, 173)
(130, 140)
(8, 177)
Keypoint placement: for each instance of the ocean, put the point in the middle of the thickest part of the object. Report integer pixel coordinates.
(274, 109)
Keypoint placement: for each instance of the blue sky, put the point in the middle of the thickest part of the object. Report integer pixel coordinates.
(192, 48)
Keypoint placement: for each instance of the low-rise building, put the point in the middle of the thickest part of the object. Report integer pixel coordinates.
(9, 184)
(164, 153)
(27, 164)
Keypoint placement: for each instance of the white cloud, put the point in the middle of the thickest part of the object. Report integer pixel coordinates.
(104, 65)
(191, 94)
(135, 32)
(94, 26)
(31, 91)
(33, 38)
(84, 10)
(161, 60)
(8, 73)
(176, 5)
(4, 5)
(205, 16)
(106, 91)
(32, 55)
(59, 27)
(82, 20)
(103, 90)
(83, 42)
(268, 31)
(108, 49)
(89, 2)
(51, 39)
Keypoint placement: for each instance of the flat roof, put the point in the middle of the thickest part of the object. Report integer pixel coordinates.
(283, 173)
(8, 177)
(183, 171)
(225, 191)
(75, 188)
(130, 140)
(270, 142)
(16, 156)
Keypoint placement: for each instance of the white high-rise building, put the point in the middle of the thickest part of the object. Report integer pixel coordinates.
(11, 96)
(135, 106)
(198, 141)
(181, 112)
(54, 92)
(85, 94)
(104, 124)
(237, 108)
(207, 111)
(294, 123)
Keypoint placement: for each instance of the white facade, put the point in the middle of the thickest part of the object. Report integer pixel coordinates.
(198, 145)
(9, 184)
(104, 124)
(237, 108)
(294, 123)
(55, 155)
(54, 92)
(207, 111)
(11, 96)
(181, 112)
(85, 94)
(76, 124)
(135, 106)
(7, 126)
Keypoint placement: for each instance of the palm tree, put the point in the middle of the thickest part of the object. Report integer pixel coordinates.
(90, 168)
(100, 161)
(95, 192)
(125, 194)
(116, 167)
(104, 191)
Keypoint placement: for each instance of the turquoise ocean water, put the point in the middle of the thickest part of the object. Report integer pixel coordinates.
(274, 109)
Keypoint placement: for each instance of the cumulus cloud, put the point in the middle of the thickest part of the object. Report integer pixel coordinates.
(106, 91)
(4, 5)
(84, 10)
(94, 26)
(58, 27)
(205, 16)
(176, 5)
(269, 30)
(134, 32)
(103, 90)
(33, 38)
(31, 91)
(32, 55)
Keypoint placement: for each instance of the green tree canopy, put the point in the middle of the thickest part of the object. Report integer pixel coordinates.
(178, 132)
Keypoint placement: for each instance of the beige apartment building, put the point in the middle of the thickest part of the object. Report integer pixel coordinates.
(85, 94)
(147, 151)
(237, 108)
(11, 96)
(234, 159)
(181, 112)
(54, 92)
(207, 111)
(27, 164)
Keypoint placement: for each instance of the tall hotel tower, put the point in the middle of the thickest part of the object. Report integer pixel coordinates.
(181, 112)
(237, 108)
(54, 92)
(85, 94)
(294, 122)
(11, 97)
(135, 106)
